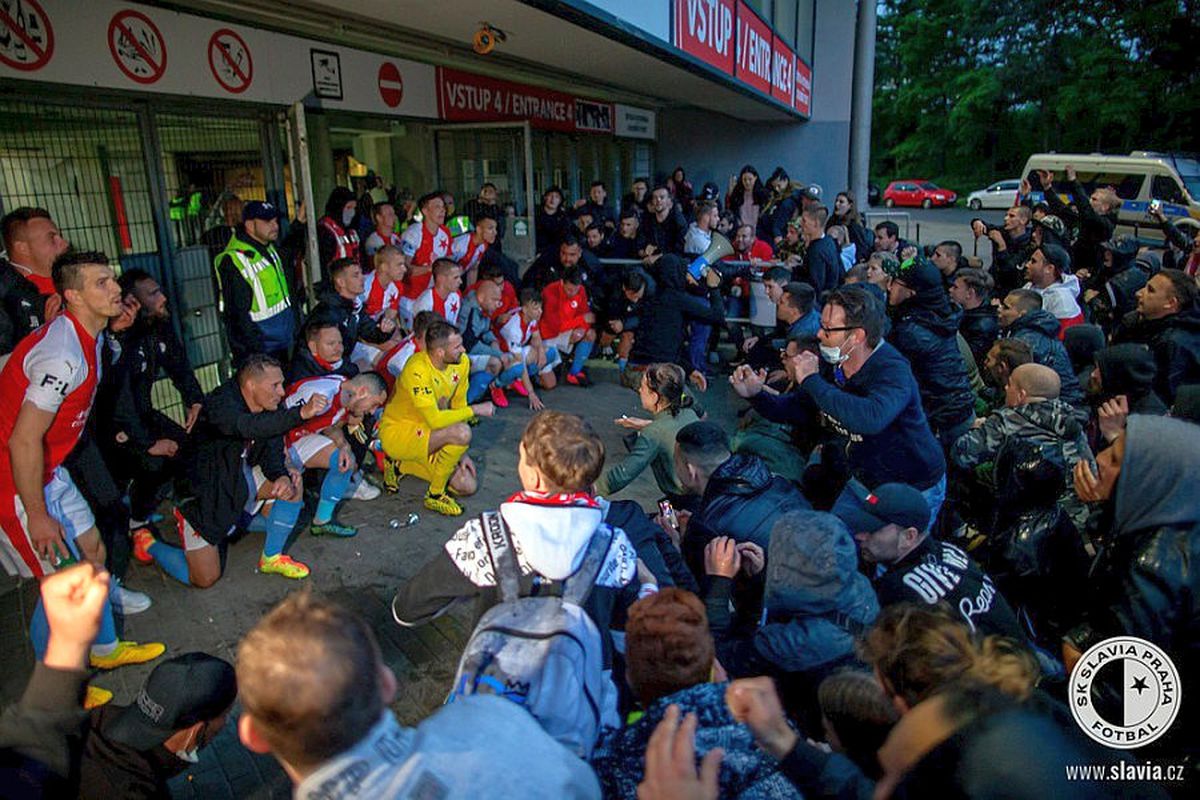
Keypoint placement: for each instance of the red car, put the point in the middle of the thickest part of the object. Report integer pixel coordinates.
(917, 193)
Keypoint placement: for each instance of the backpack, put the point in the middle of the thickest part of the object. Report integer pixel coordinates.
(543, 653)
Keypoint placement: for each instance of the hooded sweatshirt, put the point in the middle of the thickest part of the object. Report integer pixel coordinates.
(1146, 580)
(475, 742)
(1039, 329)
(550, 535)
(816, 602)
(1129, 369)
(1061, 299)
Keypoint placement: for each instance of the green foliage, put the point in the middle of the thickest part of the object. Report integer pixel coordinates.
(965, 90)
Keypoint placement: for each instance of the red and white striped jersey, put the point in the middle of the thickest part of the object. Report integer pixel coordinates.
(298, 394)
(375, 242)
(422, 248)
(378, 296)
(432, 301)
(467, 254)
(517, 332)
(57, 369)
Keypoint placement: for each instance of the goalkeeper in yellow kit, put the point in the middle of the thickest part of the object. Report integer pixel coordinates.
(424, 429)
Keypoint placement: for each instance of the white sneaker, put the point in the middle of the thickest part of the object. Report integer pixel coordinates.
(366, 490)
(126, 601)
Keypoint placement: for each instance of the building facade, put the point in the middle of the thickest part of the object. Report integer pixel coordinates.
(133, 122)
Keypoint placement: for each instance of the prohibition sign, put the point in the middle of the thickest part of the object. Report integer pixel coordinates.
(137, 46)
(391, 85)
(27, 40)
(230, 61)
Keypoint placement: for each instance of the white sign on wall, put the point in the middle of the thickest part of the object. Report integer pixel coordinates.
(635, 123)
(117, 45)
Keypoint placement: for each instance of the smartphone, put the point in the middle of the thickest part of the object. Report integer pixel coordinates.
(668, 513)
(1155, 206)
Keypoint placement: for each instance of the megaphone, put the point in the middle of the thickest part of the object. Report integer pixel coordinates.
(718, 249)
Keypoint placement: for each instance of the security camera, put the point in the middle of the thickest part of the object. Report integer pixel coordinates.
(486, 37)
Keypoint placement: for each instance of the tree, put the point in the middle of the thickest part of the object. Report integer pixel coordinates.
(967, 89)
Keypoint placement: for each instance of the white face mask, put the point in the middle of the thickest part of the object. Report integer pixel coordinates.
(833, 355)
(190, 756)
(347, 216)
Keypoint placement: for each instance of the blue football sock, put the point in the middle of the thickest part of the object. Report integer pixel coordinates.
(172, 560)
(257, 524)
(511, 375)
(582, 350)
(477, 385)
(333, 489)
(622, 363)
(39, 630)
(280, 522)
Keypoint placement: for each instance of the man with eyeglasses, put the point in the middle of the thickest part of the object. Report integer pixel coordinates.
(868, 395)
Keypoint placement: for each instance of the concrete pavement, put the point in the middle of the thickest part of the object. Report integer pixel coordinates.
(361, 573)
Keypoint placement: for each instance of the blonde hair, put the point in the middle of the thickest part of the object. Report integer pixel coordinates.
(917, 650)
(1109, 197)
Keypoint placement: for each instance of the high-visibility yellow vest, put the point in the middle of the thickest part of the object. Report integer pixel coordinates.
(264, 273)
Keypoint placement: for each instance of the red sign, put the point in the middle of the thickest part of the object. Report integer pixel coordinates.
(464, 97)
(137, 46)
(803, 102)
(230, 61)
(753, 66)
(26, 39)
(704, 29)
(391, 84)
(783, 71)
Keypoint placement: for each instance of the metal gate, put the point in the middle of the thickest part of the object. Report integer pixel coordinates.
(145, 185)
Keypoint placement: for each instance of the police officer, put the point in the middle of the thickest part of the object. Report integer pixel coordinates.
(256, 300)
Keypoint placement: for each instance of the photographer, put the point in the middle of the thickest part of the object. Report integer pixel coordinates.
(1093, 216)
(1010, 247)
(1179, 253)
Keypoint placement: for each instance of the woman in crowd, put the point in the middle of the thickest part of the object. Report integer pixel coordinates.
(661, 392)
(845, 212)
(747, 196)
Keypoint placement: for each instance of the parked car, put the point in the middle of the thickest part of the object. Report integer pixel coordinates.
(1001, 194)
(917, 193)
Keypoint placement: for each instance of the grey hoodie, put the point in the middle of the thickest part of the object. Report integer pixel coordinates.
(1157, 485)
(478, 746)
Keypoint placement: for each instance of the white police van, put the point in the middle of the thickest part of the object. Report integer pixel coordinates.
(1138, 178)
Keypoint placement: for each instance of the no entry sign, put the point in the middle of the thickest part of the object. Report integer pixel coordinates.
(26, 36)
(137, 46)
(391, 84)
(230, 61)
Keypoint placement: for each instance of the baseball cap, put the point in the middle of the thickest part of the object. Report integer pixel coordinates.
(867, 510)
(258, 209)
(191, 688)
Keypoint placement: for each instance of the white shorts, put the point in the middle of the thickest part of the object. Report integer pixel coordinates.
(190, 540)
(405, 311)
(479, 363)
(365, 355)
(305, 448)
(524, 352)
(562, 343)
(65, 505)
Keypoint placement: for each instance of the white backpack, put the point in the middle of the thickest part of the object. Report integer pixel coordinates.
(543, 653)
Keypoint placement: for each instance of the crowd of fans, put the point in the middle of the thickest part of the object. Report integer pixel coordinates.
(948, 481)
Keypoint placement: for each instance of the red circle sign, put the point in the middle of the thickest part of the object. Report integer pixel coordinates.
(230, 61)
(391, 84)
(27, 41)
(138, 46)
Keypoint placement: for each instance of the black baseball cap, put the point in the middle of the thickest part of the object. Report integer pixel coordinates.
(259, 209)
(191, 688)
(867, 510)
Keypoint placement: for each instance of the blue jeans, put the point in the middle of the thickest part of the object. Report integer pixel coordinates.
(935, 496)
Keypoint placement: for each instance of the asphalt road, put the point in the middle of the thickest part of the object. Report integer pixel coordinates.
(930, 226)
